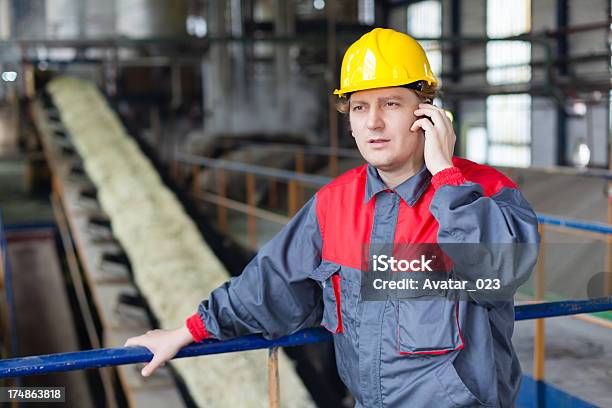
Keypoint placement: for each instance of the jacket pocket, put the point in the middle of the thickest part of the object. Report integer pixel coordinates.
(428, 325)
(457, 391)
(328, 276)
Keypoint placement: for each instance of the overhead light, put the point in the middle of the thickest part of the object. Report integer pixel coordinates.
(581, 154)
(9, 76)
(597, 96)
(579, 108)
(319, 4)
(196, 25)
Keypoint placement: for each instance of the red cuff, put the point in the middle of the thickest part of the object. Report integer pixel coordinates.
(197, 328)
(451, 176)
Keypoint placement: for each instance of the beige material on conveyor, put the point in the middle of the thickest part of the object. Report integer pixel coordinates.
(172, 265)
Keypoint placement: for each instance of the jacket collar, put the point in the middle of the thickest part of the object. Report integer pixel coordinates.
(410, 190)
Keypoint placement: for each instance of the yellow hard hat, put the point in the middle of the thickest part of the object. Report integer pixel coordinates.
(381, 58)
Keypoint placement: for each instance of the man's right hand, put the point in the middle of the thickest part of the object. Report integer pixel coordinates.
(164, 344)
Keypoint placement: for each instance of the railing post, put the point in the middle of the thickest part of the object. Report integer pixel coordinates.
(539, 347)
(251, 220)
(333, 165)
(292, 198)
(4, 325)
(299, 168)
(175, 171)
(608, 271)
(195, 179)
(272, 193)
(273, 379)
(221, 210)
(299, 161)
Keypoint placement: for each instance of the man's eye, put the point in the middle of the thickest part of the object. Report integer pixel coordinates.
(392, 104)
(357, 108)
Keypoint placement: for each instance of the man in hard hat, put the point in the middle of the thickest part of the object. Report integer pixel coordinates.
(423, 350)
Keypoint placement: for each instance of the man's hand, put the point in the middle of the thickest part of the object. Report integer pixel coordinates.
(164, 344)
(439, 137)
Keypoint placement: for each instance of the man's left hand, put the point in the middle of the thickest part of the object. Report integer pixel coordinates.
(439, 137)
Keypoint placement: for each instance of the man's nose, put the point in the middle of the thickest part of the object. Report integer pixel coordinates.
(375, 120)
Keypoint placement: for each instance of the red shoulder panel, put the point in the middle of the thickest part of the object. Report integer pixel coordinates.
(491, 180)
(344, 220)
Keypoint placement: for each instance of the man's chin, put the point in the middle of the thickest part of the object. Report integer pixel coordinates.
(382, 165)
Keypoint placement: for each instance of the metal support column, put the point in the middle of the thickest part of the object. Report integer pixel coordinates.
(562, 70)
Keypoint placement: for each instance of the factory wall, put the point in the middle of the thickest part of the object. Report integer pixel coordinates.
(591, 127)
(278, 98)
(473, 23)
(544, 110)
(594, 125)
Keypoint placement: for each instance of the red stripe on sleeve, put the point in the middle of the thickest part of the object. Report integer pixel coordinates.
(451, 176)
(197, 328)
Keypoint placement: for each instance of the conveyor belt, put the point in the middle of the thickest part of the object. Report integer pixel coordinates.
(92, 243)
(209, 379)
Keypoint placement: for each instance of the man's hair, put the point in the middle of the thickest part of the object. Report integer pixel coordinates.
(426, 92)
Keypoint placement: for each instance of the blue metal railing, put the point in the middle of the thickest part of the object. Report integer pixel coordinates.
(576, 224)
(8, 286)
(35, 365)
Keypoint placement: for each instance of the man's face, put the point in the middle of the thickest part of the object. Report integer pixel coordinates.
(380, 122)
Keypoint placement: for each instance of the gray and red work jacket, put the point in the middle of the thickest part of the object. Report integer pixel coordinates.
(395, 352)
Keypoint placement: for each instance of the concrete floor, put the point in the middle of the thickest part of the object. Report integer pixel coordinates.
(578, 357)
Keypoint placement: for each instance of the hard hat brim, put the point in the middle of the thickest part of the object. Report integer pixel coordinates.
(380, 84)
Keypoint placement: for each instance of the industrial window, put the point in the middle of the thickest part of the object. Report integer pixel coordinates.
(366, 11)
(424, 19)
(508, 62)
(509, 130)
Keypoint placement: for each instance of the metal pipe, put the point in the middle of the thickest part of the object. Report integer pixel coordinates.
(302, 38)
(321, 180)
(562, 308)
(575, 224)
(78, 360)
(590, 234)
(223, 203)
(255, 169)
(307, 149)
(603, 174)
(284, 174)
